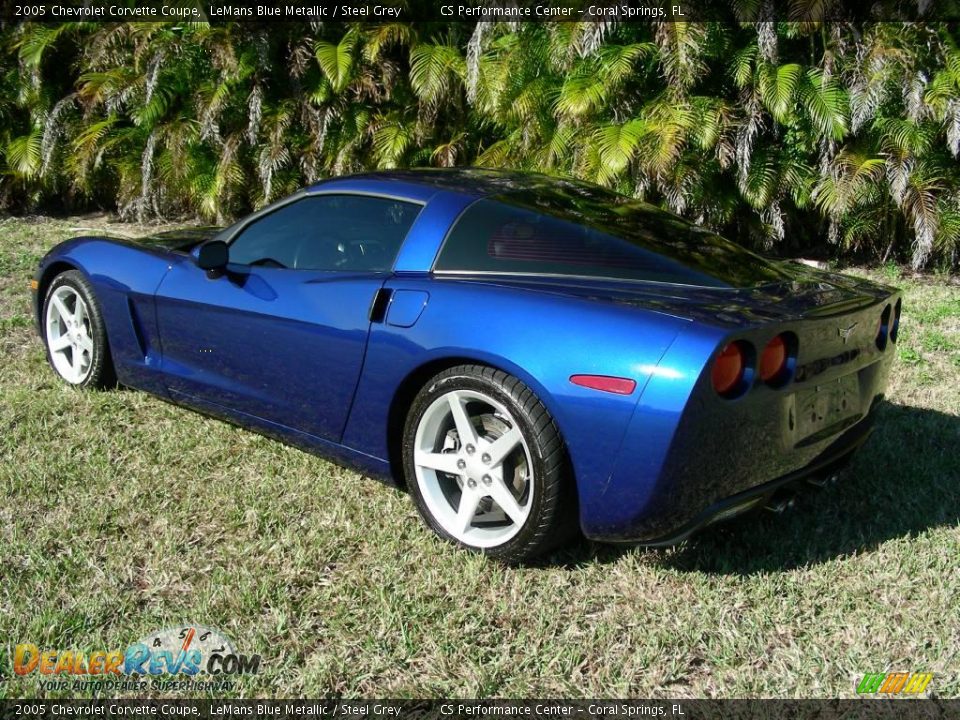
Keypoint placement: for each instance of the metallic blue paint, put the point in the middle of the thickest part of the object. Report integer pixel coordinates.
(428, 232)
(283, 345)
(294, 354)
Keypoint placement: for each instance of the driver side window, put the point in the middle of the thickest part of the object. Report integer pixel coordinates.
(327, 232)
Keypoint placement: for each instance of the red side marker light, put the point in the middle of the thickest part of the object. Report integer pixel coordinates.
(605, 383)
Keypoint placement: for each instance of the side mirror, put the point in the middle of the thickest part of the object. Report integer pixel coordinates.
(213, 257)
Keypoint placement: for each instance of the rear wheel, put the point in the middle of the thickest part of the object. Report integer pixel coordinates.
(74, 332)
(485, 465)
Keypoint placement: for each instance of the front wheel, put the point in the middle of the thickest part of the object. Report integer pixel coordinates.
(486, 466)
(74, 332)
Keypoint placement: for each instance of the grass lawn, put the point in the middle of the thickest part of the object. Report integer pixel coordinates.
(121, 514)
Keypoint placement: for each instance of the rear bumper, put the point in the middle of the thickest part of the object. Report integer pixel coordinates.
(830, 461)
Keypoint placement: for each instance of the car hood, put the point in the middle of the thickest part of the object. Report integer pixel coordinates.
(181, 240)
(805, 293)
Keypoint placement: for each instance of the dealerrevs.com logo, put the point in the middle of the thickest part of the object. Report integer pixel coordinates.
(189, 650)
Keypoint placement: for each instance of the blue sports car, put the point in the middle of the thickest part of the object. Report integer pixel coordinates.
(529, 356)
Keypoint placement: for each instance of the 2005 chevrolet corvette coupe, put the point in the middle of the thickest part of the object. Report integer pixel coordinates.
(529, 356)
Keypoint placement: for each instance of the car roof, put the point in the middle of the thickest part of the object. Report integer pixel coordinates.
(419, 183)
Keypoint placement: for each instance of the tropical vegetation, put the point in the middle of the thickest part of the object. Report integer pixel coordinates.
(788, 136)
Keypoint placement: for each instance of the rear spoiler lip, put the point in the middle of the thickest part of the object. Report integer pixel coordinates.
(843, 307)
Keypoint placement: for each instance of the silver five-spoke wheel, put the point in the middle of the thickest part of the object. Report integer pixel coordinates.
(486, 466)
(69, 334)
(75, 333)
(473, 467)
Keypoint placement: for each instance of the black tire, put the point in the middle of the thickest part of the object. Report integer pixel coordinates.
(100, 373)
(553, 518)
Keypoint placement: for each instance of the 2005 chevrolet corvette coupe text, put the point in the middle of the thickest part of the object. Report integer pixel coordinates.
(528, 355)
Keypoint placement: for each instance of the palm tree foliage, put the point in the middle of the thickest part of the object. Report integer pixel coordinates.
(782, 135)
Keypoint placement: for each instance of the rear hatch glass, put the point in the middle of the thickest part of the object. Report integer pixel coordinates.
(575, 230)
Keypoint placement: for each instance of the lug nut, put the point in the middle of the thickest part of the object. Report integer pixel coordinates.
(471, 483)
(486, 458)
(487, 480)
(461, 464)
(470, 449)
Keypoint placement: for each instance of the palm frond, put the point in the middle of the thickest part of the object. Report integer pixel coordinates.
(616, 146)
(391, 139)
(826, 104)
(434, 69)
(336, 60)
(23, 154)
(778, 88)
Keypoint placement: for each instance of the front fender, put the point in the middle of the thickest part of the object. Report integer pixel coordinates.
(124, 278)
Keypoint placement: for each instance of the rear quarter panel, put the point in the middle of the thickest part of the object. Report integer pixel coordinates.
(541, 338)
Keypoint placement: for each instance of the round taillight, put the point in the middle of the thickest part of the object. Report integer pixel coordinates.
(728, 369)
(773, 359)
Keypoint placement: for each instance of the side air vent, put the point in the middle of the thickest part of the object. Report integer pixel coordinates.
(138, 329)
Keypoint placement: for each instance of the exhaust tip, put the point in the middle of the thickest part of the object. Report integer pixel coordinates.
(780, 504)
(821, 481)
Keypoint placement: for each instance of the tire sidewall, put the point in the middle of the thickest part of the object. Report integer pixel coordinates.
(100, 361)
(542, 473)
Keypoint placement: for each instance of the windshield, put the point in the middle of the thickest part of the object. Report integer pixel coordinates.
(579, 230)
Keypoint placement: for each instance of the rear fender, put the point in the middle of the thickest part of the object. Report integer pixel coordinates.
(527, 335)
(633, 484)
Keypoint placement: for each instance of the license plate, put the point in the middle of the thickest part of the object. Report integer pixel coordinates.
(826, 405)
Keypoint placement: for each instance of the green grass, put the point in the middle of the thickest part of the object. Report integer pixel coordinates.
(122, 514)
